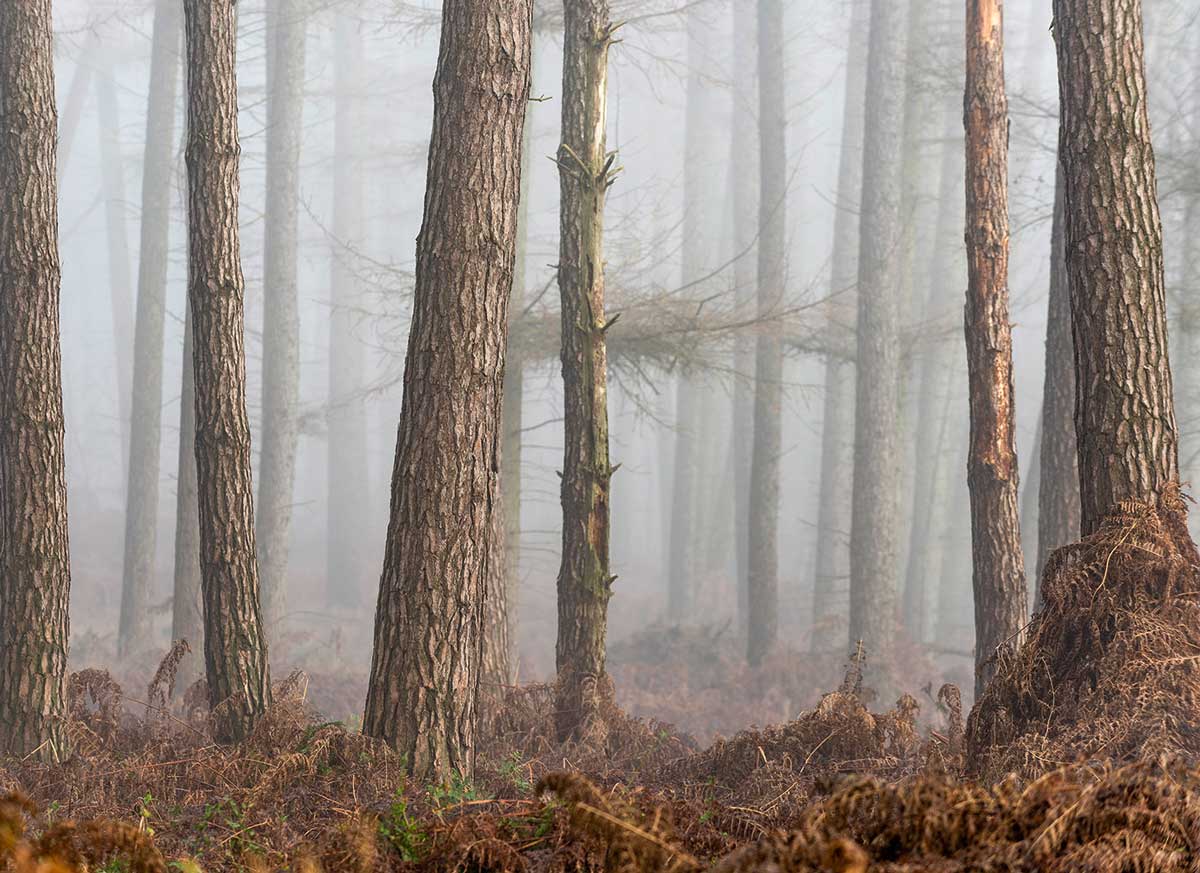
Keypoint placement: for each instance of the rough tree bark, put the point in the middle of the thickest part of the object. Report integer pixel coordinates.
(1058, 487)
(585, 174)
(874, 530)
(992, 472)
(281, 304)
(35, 573)
(837, 420)
(235, 649)
(763, 577)
(141, 508)
(429, 622)
(1125, 427)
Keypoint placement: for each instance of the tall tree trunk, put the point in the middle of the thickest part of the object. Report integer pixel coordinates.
(874, 529)
(743, 161)
(430, 620)
(187, 605)
(763, 578)
(939, 357)
(681, 567)
(35, 573)
(584, 577)
(837, 420)
(1058, 490)
(347, 568)
(72, 111)
(235, 648)
(1124, 415)
(281, 304)
(992, 471)
(141, 509)
(119, 281)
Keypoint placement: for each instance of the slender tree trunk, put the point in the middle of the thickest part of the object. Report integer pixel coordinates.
(992, 471)
(584, 577)
(187, 605)
(348, 569)
(235, 647)
(119, 279)
(1058, 491)
(77, 91)
(837, 420)
(141, 511)
(35, 573)
(1124, 415)
(744, 169)
(681, 567)
(874, 528)
(430, 620)
(281, 305)
(763, 579)
(940, 355)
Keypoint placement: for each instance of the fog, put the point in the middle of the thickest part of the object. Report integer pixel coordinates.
(103, 48)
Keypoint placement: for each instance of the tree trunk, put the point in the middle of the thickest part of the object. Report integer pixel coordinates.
(744, 168)
(141, 509)
(992, 471)
(187, 605)
(1124, 415)
(281, 304)
(113, 174)
(763, 578)
(77, 91)
(34, 565)
(837, 420)
(1058, 491)
(235, 648)
(429, 624)
(584, 578)
(681, 568)
(347, 568)
(874, 530)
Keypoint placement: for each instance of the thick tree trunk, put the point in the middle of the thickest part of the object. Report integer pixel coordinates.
(119, 280)
(992, 472)
(348, 569)
(430, 620)
(281, 304)
(141, 512)
(35, 574)
(187, 605)
(830, 587)
(874, 530)
(235, 648)
(584, 577)
(1124, 415)
(763, 577)
(744, 168)
(1058, 490)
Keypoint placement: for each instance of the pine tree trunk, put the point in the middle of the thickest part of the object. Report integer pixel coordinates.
(681, 569)
(1058, 490)
(874, 529)
(141, 511)
(763, 577)
(744, 168)
(35, 573)
(187, 605)
(1124, 415)
(992, 471)
(281, 304)
(235, 648)
(430, 620)
(119, 280)
(348, 568)
(837, 420)
(584, 577)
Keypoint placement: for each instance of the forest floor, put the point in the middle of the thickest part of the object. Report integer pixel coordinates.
(1083, 754)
